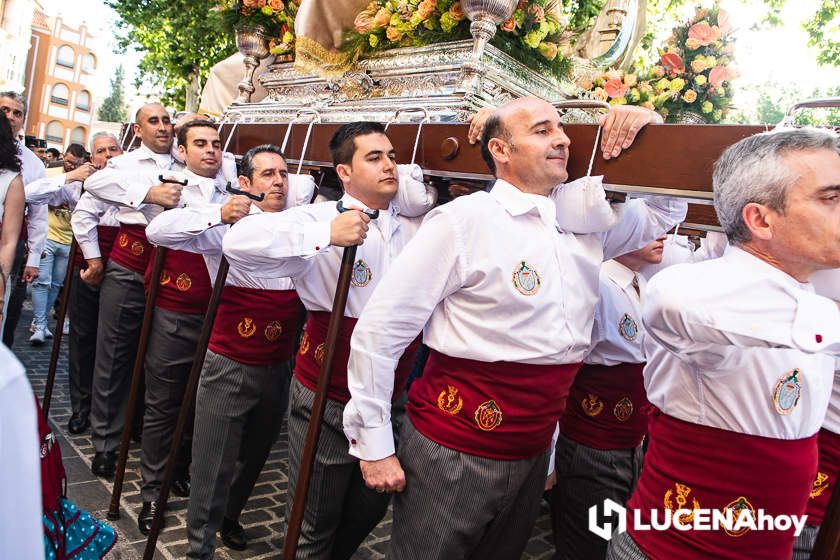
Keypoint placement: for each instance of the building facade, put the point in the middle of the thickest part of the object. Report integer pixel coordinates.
(15, 33)
(59, 73)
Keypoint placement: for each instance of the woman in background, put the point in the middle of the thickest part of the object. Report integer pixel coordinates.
(11, 208)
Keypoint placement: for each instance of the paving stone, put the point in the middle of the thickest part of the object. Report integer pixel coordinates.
(262, 516)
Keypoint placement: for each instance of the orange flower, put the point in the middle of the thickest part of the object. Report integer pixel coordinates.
(548, 50)
(521, 4)
(457, 12)
(382, 17)
(718, 75)
(276, 5)
(392, 33)
(509, 24)
(615, 88)
(251, 3)
(425, 9)
(537, 13)
(690, 96)
(704, 33)
(673, 63)
(363, 22)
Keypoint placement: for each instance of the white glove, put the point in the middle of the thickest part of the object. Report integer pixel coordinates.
(414, 198)
(582, 206)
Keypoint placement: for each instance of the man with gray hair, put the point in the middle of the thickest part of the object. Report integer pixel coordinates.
(740, 360)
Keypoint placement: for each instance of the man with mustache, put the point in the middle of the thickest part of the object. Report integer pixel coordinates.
(244, 387)
(505, 299)
(305, 244)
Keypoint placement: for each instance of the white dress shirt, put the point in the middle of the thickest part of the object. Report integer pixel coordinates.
(723, 335)
(616, 297)
(32, 169)
(458, 278)
(89, 213)
(199, 229)
(126, 181)
(296, 243)
(827, 283)
(678, 249)
(21, 525)
(43, 190)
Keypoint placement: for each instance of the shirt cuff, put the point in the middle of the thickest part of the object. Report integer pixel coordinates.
(373, 444)
(90, 250)
(316, 237)
(135, 193)
(34, 259)
(212, 215)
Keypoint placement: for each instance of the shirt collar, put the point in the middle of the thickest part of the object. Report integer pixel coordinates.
(619, 273)
(738, 255)
(349, 200)
(162, 160)
(517, 202)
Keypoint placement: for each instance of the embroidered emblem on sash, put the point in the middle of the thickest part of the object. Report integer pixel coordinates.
(627, 328)
(184, 282)
(304, 343)
(361, 274)
(123, 240)
(526, 280)
(681, 497)
(488, 416)
(738, 505)
(592, 405)
(623, 409)
(137, 248)
(787, 392)
(320, 350)
(273, 331)
(164, 278)
(450, 401)
(246, 327)
(820, 485)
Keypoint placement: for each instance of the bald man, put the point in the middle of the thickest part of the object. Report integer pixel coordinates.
(473, 454)
(130, 182)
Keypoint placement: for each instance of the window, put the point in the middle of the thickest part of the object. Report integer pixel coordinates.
(83, 101)
(55, 132)
(88, 63)
(65, 56)
(60, 95)
(78, 136)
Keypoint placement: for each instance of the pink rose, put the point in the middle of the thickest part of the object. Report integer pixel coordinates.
(425, 9)
(718, 75)
(704, 33)
(363, 22)
(250, 3)
(548, 50)
(673, 63)
(615, 88)
(457, 12)
(381, 18)
(724, 22)
(276, 5)
(509, 25)
(537, 13)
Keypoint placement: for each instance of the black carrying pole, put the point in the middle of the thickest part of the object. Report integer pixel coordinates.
(186, 407)
(136, 377)
(313, 433)
(59, 328)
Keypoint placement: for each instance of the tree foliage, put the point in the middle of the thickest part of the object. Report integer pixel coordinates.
(823, 28)
(180, 42)
(113, 108)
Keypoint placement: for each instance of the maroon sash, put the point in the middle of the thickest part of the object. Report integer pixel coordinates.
(184, 283)
(692, 466)
(256, 327)
(827, 473)
(131, 249)
(607, 407)
(106, 235)
(311, 355)
(500, 410)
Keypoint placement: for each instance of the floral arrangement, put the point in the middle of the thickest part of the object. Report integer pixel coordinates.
(535, 33)
(694, 72)
(275, 16)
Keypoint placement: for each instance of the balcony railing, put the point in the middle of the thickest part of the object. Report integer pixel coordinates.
(59, 100)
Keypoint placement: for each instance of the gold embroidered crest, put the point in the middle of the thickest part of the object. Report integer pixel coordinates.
(488, 416)
(450, 401)
(137, 248)
(246, 327)
(123, 240)
(320, 350)
(184, 282)
(592, 405)
(526, 279)
(164, 278)
(623, 409)
(820, 485)
(738, 505)
(304, 343)
(681, 497)
(273, 331)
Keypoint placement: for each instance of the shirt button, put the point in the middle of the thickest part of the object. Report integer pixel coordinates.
(352, 442)
(317, 248)
(819, 338)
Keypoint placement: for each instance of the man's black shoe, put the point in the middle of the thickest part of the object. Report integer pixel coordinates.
(181, 486)
(147, 516)
(78, 424)
(104, 464)
(233, 535)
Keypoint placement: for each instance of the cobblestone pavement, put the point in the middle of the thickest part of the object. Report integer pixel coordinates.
(263, 516)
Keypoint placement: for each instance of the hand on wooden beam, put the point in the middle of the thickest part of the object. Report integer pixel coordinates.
(621, 125)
